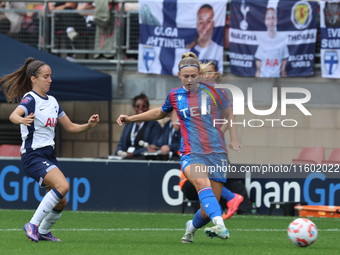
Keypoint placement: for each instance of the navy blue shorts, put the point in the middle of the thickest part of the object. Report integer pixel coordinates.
(38, 163)
(216, 164)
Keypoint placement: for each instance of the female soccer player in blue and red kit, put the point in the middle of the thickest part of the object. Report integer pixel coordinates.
(202, 144)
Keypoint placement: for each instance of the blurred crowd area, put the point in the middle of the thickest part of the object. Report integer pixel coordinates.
(69, 30)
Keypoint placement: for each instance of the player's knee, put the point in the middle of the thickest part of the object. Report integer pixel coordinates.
(63, 187)
(201, 183)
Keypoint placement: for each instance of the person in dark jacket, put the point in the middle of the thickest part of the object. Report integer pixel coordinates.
(149, 131)
(169, 142)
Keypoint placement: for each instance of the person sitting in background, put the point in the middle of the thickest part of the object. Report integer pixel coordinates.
(148, 131)
(169, 142)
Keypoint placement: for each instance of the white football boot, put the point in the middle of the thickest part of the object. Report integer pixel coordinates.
(217, 231)
(188, 236)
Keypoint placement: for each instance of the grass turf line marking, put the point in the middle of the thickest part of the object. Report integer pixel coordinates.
(185, 214)
(167, 229)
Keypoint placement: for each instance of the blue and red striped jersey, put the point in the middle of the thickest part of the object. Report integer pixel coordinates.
(196, 111)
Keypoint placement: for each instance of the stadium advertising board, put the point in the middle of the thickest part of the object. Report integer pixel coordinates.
(152, 186)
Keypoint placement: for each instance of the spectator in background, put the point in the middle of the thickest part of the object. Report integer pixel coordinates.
(147, 131)
(105, 23)
(16, 18)
(169, 142)
(70, 24)
(90, 25)
(5, 24)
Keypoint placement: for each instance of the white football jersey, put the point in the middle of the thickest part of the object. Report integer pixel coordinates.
(271, 52)
(47, 111)
(213, 52)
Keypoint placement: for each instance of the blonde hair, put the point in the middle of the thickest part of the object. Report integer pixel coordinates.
(190, 59)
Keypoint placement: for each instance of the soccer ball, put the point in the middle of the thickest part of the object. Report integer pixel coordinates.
(302, 232)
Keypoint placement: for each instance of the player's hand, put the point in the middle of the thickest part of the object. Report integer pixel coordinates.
(123, 119)
(93, 120)
(28, 120)
(236, 146)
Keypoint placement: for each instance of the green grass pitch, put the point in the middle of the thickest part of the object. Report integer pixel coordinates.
(158, 233)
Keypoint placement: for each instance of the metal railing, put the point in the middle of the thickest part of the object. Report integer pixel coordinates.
(49, 37)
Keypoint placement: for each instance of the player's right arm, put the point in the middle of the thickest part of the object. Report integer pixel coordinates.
(258, 64)
(16, 117)
(154, 114)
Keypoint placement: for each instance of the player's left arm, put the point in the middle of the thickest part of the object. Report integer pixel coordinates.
(234, 143)
(78, 128)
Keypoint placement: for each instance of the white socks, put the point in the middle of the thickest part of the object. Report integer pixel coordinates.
(48, 222)
(218, 220)
(50, 200)
(192, 229)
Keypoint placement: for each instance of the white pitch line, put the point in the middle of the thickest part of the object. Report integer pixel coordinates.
(166, 229)
(267, 217)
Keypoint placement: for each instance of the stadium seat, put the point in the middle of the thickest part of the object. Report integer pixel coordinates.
(310, 155)
(334, 157)
(10, 150)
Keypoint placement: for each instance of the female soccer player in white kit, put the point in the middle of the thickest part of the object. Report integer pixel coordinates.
(37, 115)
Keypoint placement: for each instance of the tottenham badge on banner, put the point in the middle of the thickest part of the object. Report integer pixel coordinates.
(170, 28)
(272, 38)
(330, 38)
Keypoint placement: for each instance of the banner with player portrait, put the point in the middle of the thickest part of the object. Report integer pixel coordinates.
(272, 38)
(330, 38)
(169, 28)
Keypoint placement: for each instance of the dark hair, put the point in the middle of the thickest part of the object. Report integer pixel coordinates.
(208, 6)
(141, 96)
(17, 84)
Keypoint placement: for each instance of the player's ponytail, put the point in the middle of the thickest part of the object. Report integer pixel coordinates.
(17, 84)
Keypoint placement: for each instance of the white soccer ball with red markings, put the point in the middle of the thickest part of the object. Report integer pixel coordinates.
(302, 232)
